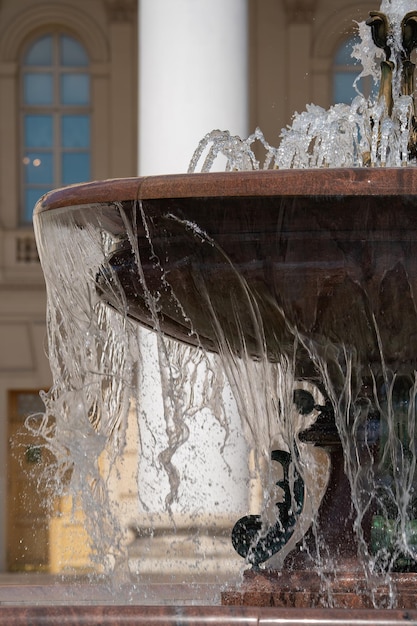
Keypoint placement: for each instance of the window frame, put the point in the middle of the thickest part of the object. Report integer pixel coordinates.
(57, 110)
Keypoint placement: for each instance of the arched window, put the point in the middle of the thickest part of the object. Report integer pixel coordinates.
(55, 117)
(345, 70)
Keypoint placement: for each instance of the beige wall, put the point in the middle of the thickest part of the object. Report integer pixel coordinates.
(290, 60)
(108, 31)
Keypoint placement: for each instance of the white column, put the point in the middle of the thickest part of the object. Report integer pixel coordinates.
(193, 77)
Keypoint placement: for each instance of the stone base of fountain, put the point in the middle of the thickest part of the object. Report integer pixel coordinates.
(304, 589)
(197, 616)
(183, 554)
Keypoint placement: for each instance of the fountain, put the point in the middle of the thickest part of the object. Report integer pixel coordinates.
(300, 277)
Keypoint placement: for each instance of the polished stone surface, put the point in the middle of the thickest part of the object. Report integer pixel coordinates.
(306, 590)
(197, 616)
(38, 600)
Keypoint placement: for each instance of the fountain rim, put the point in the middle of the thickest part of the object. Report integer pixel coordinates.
(268, 183)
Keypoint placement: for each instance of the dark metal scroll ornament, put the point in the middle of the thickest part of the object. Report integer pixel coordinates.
(382, 35)
(251, 538)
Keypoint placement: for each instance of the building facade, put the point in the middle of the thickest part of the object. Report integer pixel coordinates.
(70, 110)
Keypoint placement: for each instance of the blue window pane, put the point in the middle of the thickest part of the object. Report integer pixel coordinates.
(38, 131)
(40, 53)
(75, 131)
(75, 89)
(39, 168)
(32, 195)
(343, 90)
(38, 88)
(75, 167)
(72, 53)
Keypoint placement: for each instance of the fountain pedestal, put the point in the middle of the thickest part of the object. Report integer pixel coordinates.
(325, 566)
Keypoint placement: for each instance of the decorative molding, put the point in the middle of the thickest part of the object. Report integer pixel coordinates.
(26, 250)
(338, 27)
(121, 10)
(38, 17)
(300, 11)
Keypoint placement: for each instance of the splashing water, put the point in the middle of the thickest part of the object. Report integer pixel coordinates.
(353, 135)
(359, 134)
(100, 368)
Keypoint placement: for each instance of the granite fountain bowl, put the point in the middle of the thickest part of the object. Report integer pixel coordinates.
(255, 258)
